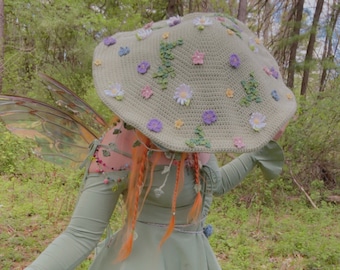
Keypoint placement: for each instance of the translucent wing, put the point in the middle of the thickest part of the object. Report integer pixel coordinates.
(74, 105)
(61, 138)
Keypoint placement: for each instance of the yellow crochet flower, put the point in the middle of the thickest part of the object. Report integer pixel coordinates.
(97, 62)
(179, 123)
(165, 35)
(229, 93)
(289, 96)
(230, 32)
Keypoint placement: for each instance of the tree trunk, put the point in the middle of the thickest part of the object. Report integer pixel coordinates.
(170, 10)
(242, 11)
(293, 48)
(2, 42)
(327, 53)
(268, 10)
(310, 47)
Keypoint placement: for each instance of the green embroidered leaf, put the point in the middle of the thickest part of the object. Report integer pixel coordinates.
(190, 143)
(116, 131)
(136, 143)
(106, 153)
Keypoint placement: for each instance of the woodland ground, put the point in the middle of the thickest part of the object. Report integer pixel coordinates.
(259, 225)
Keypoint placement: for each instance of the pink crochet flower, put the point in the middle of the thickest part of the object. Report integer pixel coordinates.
(197, 58)
(238, 142)
(147, 92)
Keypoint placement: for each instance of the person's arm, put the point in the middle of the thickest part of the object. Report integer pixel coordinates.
(269, 158)
(89, 220)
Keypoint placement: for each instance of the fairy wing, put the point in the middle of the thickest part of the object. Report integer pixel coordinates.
(60, 137)
(69, 102)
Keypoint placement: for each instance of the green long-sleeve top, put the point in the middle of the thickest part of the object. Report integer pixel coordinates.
(187, 247)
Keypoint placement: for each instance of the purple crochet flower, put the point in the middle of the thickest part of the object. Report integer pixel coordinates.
(143, 67)
(108, 41)
(234, 60)
(209, 117)
(274, 73)
(174, 21)
(155, 125)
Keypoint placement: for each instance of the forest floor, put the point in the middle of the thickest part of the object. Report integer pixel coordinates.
(286, 235)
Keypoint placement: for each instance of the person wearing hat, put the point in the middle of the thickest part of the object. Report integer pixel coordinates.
(182, 89)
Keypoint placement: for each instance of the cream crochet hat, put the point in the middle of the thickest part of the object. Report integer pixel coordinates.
(198, 83)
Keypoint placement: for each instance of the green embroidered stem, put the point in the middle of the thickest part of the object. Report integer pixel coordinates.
(166, 70)
(234, 29)
(251, 90)
(200, 140)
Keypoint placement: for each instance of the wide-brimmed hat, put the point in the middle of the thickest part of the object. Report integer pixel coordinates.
(198, 83)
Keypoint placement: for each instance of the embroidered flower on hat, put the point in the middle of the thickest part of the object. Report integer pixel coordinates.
(289, 96)
(148, 25)
(108, 41)
(165, 35)
(143, 67)
(201, 22)
(174, 20)
(123, 51)
(275, 95)
(97, 62)
(229, 93)
(183, 94)
(155, 125)
(147, 92)
(198, 58)
(209, 117)
(253, 45)
(234, 60)
(230, 32)
(267, 70)
(115, 90)
(257, 121)
(179, 123)
(238, 142)
(143, 34)
(274, 73)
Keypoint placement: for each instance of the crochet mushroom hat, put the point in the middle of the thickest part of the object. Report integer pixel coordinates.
(198, 83)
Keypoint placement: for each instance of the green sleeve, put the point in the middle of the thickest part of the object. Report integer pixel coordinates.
(88, 222)
(270, 159)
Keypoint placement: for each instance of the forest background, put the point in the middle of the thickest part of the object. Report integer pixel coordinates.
(289, 223)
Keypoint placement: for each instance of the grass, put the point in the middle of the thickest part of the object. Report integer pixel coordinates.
(256, 226)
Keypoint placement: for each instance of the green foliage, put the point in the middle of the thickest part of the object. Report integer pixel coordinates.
(15, 152)
(291, 237)
(312, 142)
(58, 38)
